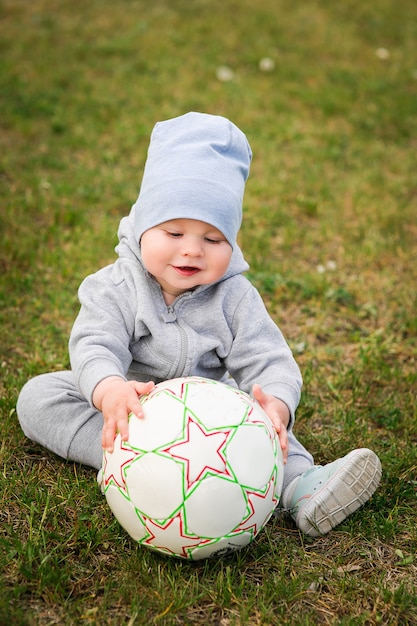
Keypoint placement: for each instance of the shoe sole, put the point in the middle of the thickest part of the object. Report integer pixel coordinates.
(350, 487)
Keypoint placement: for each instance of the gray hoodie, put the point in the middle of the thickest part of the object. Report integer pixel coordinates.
(124, 328)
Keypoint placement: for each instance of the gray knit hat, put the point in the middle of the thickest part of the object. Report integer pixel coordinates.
(196, 168)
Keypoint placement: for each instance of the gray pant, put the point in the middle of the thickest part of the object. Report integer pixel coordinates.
(56, 415)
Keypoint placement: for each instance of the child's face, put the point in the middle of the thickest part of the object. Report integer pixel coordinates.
(183, 253)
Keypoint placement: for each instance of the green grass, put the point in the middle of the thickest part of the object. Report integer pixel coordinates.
(330, 233)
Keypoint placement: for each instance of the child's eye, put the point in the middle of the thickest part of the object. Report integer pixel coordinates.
(173, 234)
(210, 240)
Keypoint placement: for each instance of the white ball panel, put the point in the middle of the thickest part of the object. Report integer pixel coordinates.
(251, 455)
(155, 485)
(215, 405)
(125, 512)
(215, 507)
(162, 423)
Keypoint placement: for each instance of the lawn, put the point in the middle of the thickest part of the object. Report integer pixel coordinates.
(327, 95)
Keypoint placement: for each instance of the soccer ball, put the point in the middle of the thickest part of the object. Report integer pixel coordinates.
(200, 474)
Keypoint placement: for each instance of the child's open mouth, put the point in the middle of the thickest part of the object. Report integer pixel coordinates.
(186, 270)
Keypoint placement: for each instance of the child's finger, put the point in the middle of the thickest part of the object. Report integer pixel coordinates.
(283, 439)
(258, 394)
(123, 428)
(143, 388)
(107, 436)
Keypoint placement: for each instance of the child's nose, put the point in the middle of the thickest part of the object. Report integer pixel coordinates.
(191, 247)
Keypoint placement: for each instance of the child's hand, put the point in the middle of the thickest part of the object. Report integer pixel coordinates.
(116, 399)
(277, 412)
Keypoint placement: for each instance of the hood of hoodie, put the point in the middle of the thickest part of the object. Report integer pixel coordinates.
(129, 248)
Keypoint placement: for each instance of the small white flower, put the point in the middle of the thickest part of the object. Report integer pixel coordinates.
(382, 53)
(224, 74)
(300, 347)
(266, 64)
(330, 265)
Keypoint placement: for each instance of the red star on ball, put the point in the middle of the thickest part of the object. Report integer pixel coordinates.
(261, 505)
(170, 537)
(201, 450)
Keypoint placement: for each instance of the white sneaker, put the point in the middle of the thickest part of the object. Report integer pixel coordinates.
(324, 496)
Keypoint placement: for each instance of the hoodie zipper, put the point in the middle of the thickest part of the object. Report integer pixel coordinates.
(171, 317)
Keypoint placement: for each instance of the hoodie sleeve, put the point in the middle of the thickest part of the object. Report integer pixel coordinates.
(260, 354)
(100, 338)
